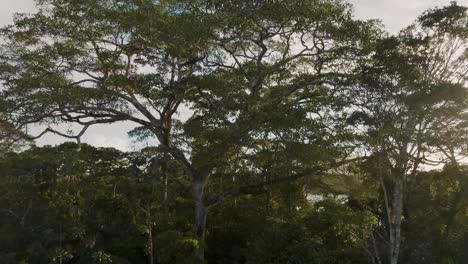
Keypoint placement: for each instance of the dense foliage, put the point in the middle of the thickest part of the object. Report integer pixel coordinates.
(63, 205)
(283, 132)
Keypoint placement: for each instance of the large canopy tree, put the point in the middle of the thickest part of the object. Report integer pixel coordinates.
(262, 79)
(411, 106)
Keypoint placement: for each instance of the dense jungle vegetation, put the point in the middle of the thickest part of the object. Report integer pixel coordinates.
(278, 132)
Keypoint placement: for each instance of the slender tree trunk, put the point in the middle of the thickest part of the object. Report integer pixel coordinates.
(394, 210)
(376, 255)
(165, 188)
(394, 198)
(395, 220)
(150, 244)
(201, 212)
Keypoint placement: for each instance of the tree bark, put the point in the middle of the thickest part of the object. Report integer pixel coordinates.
(394, 209)
(375, 256)
(201, 212)
(395, 224)
(150, 245)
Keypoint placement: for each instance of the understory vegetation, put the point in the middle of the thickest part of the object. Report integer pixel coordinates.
(279, 131)
(100, 205)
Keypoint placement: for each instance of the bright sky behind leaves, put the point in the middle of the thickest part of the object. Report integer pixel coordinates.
(395, 14)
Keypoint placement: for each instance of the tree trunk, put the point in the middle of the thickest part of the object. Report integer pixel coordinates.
(150, 245)
(395, 220)
(393, 198)
(375, 255)
(201, 212)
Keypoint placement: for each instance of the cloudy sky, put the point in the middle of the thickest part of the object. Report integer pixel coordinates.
(395, 14)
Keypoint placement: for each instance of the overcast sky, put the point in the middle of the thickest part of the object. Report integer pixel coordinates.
(395, 14)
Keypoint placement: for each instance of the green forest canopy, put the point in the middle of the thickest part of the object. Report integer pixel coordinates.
(290, 100)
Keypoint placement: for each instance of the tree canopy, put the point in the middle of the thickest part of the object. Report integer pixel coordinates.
(285, 99)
